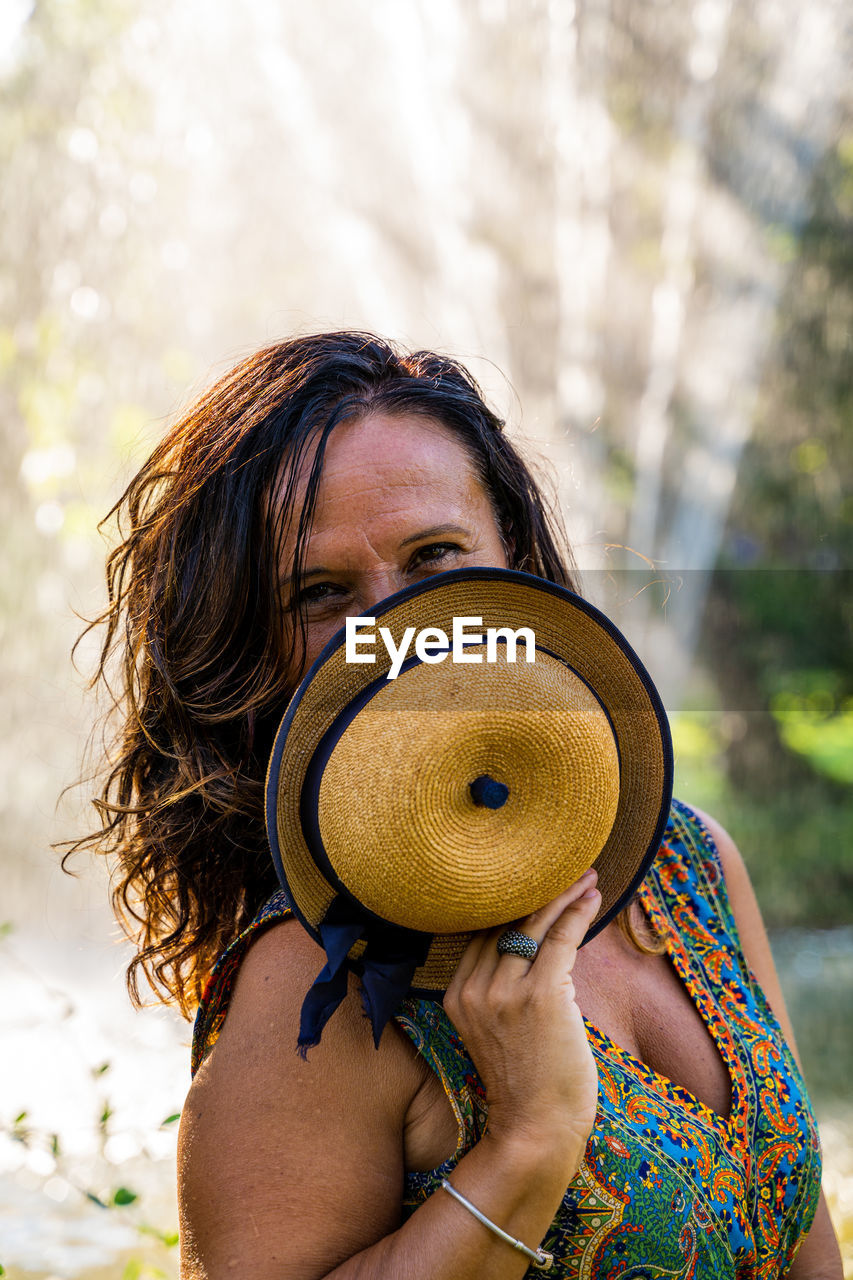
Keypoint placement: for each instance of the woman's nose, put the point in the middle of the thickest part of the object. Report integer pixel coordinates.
(379, 586)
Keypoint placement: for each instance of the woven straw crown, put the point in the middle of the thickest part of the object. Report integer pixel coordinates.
(462, 796)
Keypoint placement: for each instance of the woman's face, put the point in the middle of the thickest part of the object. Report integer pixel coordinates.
(398, 501)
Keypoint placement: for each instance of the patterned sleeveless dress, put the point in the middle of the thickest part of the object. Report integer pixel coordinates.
(667, 1187)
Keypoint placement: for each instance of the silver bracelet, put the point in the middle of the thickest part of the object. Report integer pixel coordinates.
(540, 1260)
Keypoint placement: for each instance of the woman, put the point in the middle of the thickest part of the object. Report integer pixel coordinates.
(317, 478)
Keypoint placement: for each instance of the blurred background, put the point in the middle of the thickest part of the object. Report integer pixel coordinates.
(634, 222)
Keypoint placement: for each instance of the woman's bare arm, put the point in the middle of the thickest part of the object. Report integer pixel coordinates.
(292, 1168)
(819, 1257)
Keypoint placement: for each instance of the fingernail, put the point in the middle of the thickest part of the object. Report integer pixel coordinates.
(590, 893)
(590, 871)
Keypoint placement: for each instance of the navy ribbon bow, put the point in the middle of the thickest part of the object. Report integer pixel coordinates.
(386, 968)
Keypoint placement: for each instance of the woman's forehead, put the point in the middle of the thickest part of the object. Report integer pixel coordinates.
(382, 468)
(391, 444)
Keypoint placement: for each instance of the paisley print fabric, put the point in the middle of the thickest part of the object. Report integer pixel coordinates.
(667, 1187)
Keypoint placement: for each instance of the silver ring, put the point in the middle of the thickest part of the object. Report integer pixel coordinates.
(513, 942)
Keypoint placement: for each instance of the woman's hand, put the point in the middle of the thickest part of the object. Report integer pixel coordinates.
(525, 1033)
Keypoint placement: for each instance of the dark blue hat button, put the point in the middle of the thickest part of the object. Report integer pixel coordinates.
(487, 793)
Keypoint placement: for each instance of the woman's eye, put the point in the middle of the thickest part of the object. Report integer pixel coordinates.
(317, 593)
(434, 552)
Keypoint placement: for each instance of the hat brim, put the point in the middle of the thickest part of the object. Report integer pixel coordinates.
(566, 626)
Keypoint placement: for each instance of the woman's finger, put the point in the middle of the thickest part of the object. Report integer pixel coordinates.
(470, 958)
(559, 946)
(535, 926)
(538, 923)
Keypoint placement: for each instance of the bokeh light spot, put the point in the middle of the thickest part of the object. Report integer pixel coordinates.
(810, 457)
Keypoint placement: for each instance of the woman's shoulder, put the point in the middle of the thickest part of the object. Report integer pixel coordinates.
(216, 998)
(703, 841)
(699, 856)
(716, 842)
(257, 982)
(273, 971)
(722, 847)
(272, 1142)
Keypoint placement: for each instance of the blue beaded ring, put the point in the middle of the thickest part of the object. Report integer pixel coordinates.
(513, 942)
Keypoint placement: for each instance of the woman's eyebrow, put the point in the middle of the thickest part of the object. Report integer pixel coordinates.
(312, 573)
(435, 531)
(308, 573)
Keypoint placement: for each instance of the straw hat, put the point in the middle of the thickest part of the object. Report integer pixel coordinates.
(403, 814)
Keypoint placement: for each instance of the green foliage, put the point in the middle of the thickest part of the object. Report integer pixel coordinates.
(795, 841)
(123, 1196)
(136, 1269)
(779, 628)
(120, 1198)
(168, 1238)
(816, 722)
(795, 849)
(20, 1130)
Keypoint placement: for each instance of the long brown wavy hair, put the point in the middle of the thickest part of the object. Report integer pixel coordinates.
(193, 657)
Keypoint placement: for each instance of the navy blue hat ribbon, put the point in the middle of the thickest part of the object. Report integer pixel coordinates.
(386, 968)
